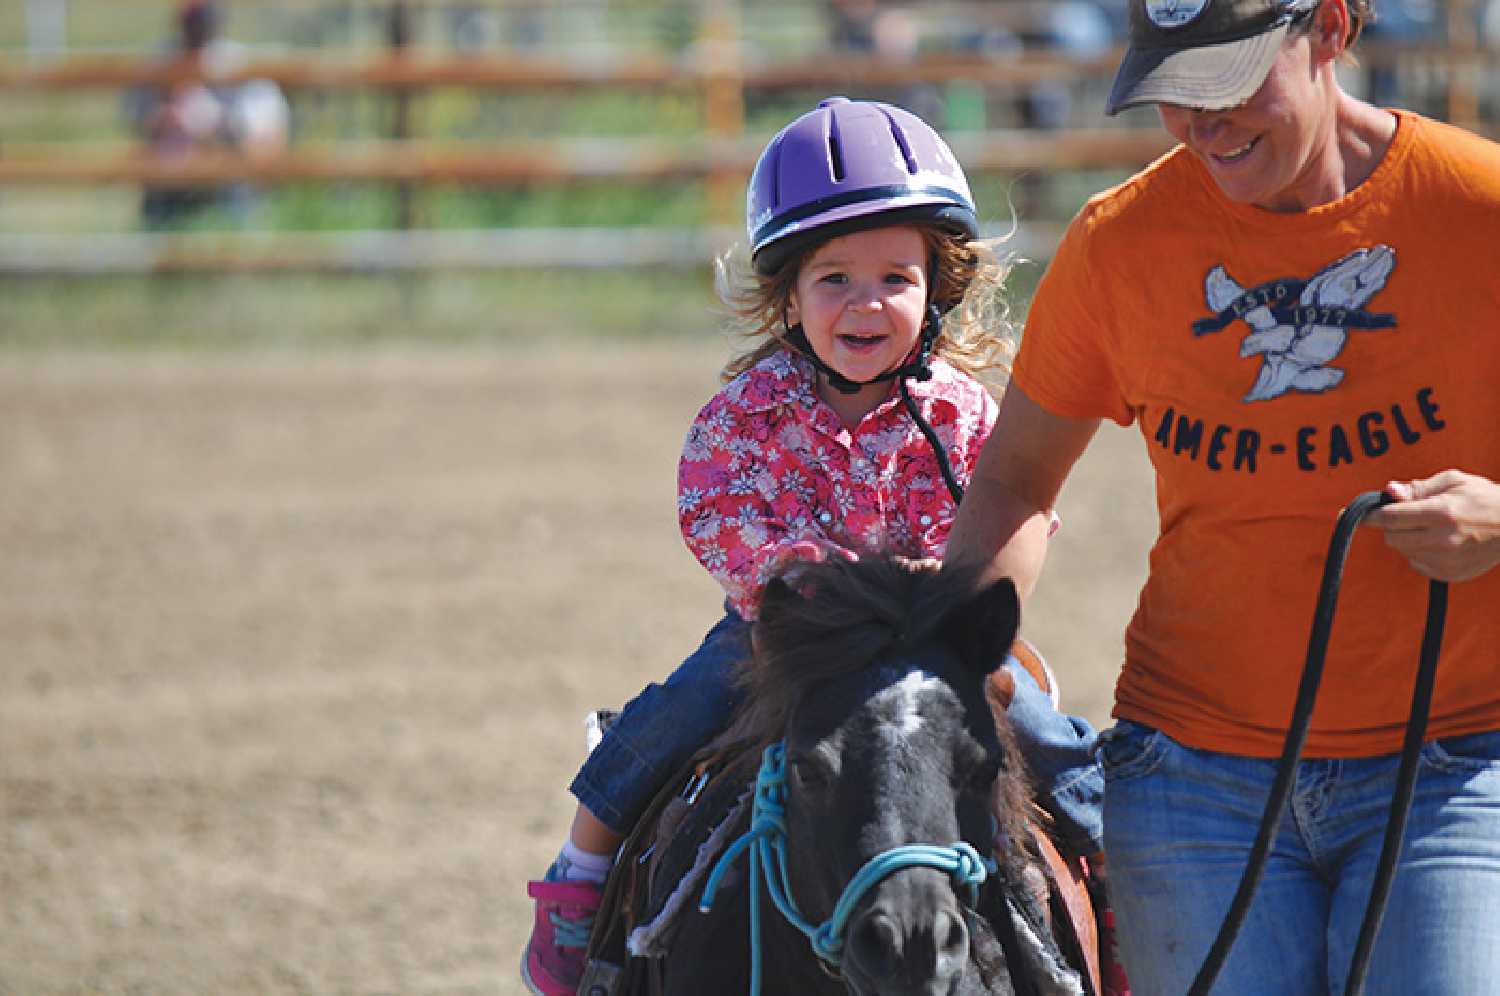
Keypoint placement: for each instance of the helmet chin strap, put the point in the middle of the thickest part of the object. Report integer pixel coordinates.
(916, 367)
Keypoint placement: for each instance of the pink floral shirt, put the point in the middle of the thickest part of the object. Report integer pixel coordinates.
(769, 475)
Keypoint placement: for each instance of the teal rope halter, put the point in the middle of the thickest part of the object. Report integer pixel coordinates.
(766, 842)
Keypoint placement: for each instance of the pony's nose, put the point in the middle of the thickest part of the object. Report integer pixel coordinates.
(921, 948)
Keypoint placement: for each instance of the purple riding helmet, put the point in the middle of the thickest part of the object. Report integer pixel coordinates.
(845, 166)
(849, 165)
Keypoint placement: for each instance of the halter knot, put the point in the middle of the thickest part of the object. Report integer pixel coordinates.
(766, 842)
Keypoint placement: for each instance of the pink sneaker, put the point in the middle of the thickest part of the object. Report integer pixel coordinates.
(553, 962)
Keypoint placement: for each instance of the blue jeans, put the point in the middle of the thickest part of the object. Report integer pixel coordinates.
(1059, 754)
(666, 723)
(662, 727)
(1179, 825)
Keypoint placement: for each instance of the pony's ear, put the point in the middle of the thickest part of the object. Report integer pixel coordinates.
(775, 598)
(776, 595)
(982, 629)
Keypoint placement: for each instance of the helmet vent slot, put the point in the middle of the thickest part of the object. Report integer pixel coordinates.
(901, 143)
(773, 170)
(835, 150)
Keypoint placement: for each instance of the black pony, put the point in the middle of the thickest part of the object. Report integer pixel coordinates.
(868, 832)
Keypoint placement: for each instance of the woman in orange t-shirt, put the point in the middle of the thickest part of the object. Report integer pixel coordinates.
(1296, 305)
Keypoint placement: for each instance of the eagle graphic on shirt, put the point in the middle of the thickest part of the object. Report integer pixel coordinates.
(1298, 326)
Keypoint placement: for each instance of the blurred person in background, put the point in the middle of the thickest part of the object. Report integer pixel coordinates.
(1296, 305)
(1074, 29)
(1411, 22)
(891, 33)
(192, 115)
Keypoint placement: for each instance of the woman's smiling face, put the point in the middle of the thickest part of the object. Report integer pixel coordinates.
(861, 299)
(1266, 151)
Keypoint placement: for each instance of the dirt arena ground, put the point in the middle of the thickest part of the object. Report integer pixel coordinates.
(296, 651)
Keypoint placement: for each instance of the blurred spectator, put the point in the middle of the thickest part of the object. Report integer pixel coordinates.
(194, 114)
(472, 27)
(1427, 22)
(1074, 29)
(1068, 29)
(890, 32)
(1409, 23)
(1489, 38)
(851, 25)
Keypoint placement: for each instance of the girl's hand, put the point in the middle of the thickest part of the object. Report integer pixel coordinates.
(919, 565)
(1447, 526)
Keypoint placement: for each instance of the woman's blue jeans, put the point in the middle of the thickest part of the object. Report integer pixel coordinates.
(1179, 824)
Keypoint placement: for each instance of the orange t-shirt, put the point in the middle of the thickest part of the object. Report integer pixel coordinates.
(1278, 365)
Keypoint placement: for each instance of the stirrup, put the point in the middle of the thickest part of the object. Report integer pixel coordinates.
(600, 978)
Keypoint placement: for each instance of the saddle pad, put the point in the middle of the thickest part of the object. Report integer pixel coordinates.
(707, 814)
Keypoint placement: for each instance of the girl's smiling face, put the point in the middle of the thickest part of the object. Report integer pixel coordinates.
(861, 299)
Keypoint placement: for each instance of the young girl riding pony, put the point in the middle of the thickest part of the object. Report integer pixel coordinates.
(849, 427)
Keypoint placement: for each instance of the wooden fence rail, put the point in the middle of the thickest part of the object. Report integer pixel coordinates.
(425, 162)
(519, 71)
(382, 252)
(717, 69)
(721, 150)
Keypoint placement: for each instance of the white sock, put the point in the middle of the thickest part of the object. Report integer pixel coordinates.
(575, 864)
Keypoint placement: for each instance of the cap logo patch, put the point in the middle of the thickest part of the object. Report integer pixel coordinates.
(1174, 13)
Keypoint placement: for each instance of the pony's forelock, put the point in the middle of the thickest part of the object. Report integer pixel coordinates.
(852, 614)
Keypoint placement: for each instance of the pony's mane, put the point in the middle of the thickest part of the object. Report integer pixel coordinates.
(853, 613)
(850, 615)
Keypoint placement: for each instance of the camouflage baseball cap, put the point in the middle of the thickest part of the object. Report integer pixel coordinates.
(1209, 54)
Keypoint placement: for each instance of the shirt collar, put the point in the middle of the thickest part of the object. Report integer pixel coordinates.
(784, 376)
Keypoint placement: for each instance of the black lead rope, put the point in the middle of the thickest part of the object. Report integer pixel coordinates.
(1416, 729)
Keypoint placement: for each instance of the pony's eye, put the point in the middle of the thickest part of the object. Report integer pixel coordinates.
(982, 777)
(808, 773)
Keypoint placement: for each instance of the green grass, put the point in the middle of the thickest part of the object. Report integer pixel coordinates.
(248, 313)
(585, 203)
(245, 312)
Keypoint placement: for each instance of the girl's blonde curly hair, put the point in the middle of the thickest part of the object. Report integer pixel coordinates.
(968, 278)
